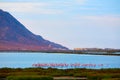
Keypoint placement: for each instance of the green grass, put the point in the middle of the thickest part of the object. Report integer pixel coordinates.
(29, 78)
(112, 79)
(91, 74)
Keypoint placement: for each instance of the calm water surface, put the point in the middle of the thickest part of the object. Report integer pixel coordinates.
(25, 59)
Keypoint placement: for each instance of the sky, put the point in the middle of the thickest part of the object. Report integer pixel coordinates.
(72, 23)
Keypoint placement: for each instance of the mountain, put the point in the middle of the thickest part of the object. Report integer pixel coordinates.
(14, 36)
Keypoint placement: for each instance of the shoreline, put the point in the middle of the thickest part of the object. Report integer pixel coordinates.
(64, 52)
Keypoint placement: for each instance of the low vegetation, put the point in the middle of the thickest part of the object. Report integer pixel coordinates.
(29, 78)
(50, 73)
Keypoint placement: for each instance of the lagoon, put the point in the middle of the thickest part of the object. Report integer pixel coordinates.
(57, 60)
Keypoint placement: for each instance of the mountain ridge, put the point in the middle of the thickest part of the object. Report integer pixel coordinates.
(16, 35)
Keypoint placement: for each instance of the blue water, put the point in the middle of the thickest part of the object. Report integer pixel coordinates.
(24, 60)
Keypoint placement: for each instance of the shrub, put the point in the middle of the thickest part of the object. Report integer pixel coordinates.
(80, 75)
(94, 77)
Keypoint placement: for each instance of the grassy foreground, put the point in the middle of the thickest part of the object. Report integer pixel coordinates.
(50, 73)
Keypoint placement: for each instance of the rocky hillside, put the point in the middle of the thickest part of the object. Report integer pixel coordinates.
(14, 36)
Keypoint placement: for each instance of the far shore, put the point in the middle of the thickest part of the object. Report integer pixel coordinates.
(65, 52)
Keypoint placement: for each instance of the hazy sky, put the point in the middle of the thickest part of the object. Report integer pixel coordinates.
(72, 23)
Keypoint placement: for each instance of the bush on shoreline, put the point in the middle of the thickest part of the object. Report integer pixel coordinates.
(91, 74)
